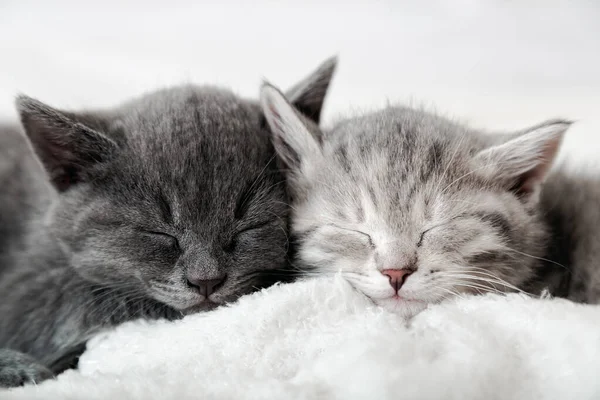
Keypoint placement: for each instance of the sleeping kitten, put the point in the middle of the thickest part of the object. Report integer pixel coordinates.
(165, 206)
(413, 208)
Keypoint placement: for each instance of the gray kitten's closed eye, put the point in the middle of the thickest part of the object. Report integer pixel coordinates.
(164, 238)
(413, 208)
(232, 243)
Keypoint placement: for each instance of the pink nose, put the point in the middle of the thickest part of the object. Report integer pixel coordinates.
(397, 277)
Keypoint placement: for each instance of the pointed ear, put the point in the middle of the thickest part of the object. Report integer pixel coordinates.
(308, 95)
(66, 147)
(295, 138)
(522, 163)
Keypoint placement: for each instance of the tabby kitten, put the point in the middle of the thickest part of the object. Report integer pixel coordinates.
(168, 205)
(413, 208)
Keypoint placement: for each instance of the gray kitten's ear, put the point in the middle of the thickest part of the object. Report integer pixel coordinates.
(522, 163)
(308, 95)
(66, 147)
(294, 137)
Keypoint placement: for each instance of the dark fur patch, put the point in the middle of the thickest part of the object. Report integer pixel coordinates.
(487, 258)
(498, 222)
(343, 158)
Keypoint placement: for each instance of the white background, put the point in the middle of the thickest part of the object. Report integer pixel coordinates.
(495, 64)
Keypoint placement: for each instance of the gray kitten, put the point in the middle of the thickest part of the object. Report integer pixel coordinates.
(167, 205)
(413, 208)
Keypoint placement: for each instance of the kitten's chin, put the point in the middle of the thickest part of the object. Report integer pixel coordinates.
(403, 307)
(192, 305)
(204, 306)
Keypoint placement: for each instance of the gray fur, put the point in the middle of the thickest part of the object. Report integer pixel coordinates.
(463, 210)
(168, 191)
(18, 369)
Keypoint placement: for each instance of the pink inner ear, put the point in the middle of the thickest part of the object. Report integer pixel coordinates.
(275, 117)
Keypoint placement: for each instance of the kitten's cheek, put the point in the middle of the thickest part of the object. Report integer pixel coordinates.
(374, 287)
(315, 255)
(334, 259)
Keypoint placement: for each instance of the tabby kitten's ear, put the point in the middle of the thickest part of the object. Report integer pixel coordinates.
(296, 139)
(67, 148)
(523, 162)
(309, 94)
(294, 117)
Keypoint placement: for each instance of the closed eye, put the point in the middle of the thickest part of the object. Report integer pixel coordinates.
(367, 236)
(253, 227)
(171, 240)
(422, 236)
(420, 242)
(230, 246)
(496, 220)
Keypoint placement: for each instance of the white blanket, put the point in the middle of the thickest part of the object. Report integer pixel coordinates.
(319, 339)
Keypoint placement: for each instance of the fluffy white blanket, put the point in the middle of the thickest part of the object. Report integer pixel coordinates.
(319, 339)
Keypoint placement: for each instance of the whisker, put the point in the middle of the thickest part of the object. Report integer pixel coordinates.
(451, 292)
(475, 286)
(485, 272)
(487, 278)
(260, 175)
(538, 258)
(285, 204)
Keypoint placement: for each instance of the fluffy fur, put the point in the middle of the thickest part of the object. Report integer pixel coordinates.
(167, 205)
(414, 208)
(321, 339)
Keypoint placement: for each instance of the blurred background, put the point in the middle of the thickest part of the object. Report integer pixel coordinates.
(494, 64)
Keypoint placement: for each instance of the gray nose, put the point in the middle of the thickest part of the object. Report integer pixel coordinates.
(206, 287)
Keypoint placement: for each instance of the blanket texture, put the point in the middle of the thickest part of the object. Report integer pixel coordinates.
(320, 339)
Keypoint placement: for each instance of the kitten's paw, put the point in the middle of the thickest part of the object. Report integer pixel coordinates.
(17, 369)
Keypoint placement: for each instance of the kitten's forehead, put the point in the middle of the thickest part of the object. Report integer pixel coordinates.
(399, 129)
(400, 160)
(183, 143)
(191, 117)
(402, 139)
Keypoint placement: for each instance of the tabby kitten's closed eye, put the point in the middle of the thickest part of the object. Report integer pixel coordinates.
(167, 205)
(413, 208)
